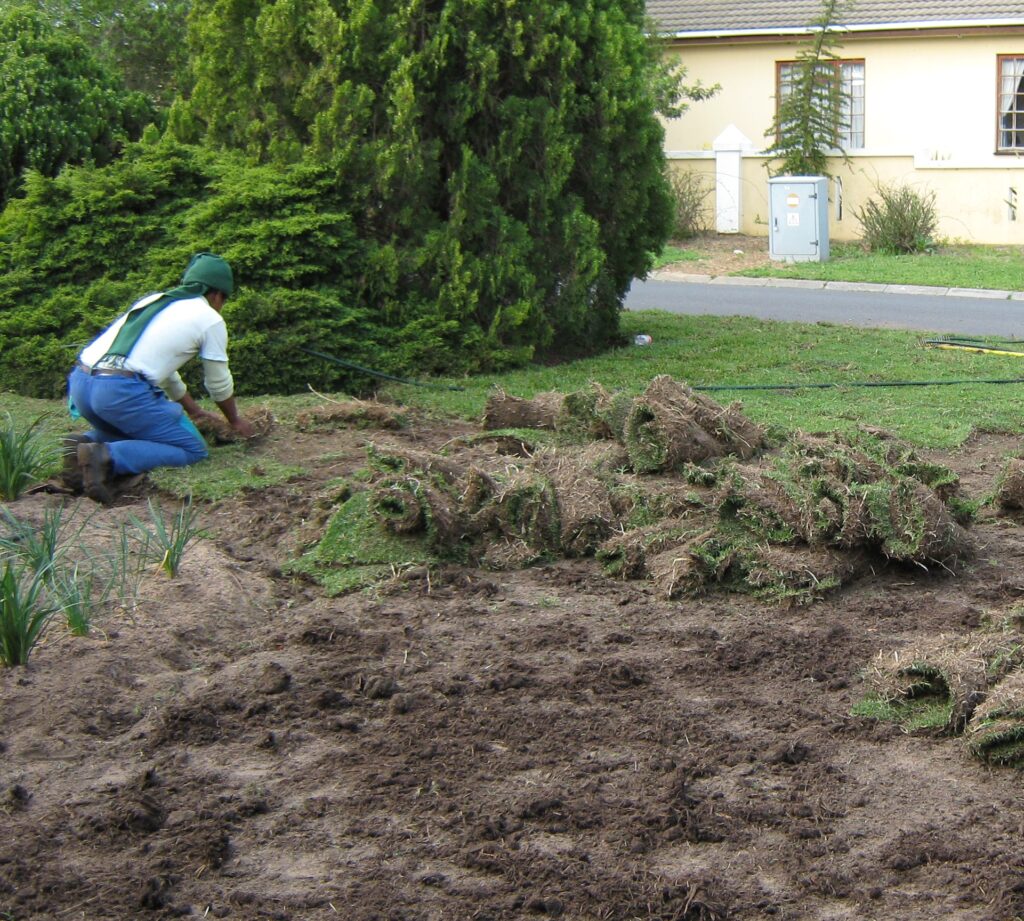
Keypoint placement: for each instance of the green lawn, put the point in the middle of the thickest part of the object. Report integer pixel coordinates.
(705, 352)
(743, 351)
(674, 253)
(996, 267)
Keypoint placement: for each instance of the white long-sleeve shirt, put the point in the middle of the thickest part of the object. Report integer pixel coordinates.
(182, 330)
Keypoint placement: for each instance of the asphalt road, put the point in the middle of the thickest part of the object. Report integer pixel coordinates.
(948, 311)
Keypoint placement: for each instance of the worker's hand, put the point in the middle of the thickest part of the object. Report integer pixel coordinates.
(243, 427)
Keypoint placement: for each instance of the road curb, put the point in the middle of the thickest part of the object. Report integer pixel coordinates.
(745, 281)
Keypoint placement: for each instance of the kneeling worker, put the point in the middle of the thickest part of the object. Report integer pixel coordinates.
(126, 382)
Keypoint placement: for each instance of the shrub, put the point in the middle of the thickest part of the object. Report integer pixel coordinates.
(900, 220)
(690, 193)
(78, 249)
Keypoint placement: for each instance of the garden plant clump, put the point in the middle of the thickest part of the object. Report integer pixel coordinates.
(24, 456)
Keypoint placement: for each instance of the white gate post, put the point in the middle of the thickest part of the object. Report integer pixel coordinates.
(729, 148)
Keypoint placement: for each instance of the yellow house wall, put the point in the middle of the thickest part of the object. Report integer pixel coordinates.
(930, 122)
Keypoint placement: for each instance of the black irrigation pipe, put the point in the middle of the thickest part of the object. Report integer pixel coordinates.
(373, 373)
(967, 341)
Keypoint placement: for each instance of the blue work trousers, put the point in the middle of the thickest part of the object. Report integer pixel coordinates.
(134, 418)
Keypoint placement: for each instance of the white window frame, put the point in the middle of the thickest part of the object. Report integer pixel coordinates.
(1010, 104)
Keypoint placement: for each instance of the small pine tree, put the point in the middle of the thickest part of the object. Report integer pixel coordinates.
(809, 121)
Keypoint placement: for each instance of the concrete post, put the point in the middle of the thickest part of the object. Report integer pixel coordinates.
(729, 148)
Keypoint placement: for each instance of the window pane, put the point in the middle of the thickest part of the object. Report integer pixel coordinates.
(1011, 103)
(786, 79)
(851, 77)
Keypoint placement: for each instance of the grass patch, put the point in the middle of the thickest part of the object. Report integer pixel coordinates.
(355, 551)
(230, 470)
(530, 440)
(995, 267)
(351, 578)
(917, 714)
(672, 254)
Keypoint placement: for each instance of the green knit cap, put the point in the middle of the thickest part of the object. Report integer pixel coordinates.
(210, 270)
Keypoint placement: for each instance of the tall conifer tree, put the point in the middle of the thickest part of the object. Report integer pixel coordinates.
(504, 158)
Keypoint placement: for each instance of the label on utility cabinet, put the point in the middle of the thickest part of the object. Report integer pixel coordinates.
(793, 219)
(792, 200)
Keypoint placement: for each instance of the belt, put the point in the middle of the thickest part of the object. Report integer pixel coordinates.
(108, 372)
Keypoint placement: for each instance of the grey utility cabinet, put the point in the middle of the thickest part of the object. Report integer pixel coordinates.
(798, 218)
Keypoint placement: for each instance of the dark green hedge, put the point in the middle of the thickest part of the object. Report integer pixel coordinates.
(77, 250)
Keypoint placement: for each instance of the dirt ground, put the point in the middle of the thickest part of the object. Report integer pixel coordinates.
(721, 254)
(463, 744)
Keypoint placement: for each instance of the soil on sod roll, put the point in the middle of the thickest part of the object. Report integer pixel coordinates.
(463, 742)
(669, 425)
(1009, 490)
(505, 411)
(955, 672)
(219, 430)
(344, 413)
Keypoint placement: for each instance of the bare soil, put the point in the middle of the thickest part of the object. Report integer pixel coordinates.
(720, 254)
(463, 744)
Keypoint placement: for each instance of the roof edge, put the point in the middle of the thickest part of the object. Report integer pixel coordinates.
(861, 27)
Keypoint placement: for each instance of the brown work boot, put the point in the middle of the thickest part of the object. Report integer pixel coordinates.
(71, 473)
(97, 471)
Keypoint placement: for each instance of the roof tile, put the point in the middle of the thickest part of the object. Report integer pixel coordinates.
(711, 16)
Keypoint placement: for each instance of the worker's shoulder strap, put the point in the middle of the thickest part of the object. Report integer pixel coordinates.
(139, 318)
